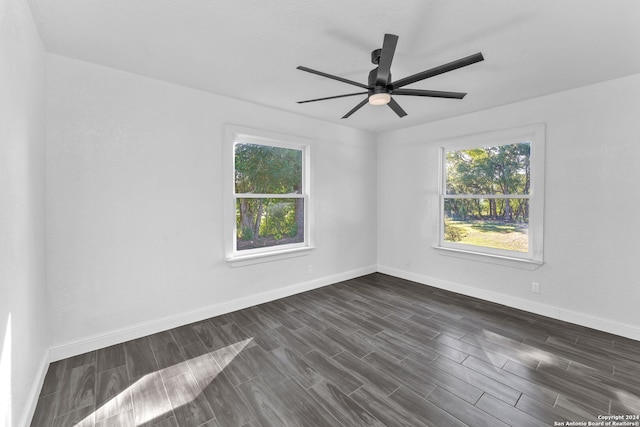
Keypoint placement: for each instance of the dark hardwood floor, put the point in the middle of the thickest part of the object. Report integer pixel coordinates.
(372, 351)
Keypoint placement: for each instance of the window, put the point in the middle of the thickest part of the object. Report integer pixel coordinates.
(491, 195)
(269, 203)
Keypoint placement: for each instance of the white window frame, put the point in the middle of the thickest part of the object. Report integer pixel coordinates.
(535, 134)
(235, 134)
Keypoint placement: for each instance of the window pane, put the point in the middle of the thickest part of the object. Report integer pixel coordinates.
(265, 169)
(503, 169)
(265, 222)
(490, 223)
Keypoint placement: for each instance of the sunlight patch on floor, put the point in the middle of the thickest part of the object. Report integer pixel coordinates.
(144, 388)
(630, 401)
(526, 351)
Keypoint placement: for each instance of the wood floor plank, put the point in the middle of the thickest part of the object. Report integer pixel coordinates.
(565, 351)
(46, 409)
(113, 395)
(139, 358)
(261, 336)
(81, 359)
(441, 326)
(261, 316)
(190, 407)
(546, 413)
(160, 339)
(201, 363)
(342, 379)
(303, 406)
(232, 334)
(214, 423)
(184, 335)
(435, 348)
(386, 410)
(82, 417)
(486, 384)
(239, 318)
(297, 368)
(125, 419)
(78, 389)
(53, 378)
(228, 361)
(208, 334)
(264, 364)
(577, 389)
(421, 386)
(319, 341)
(625, 403)
(337, 322)
(348, 342)
(462, 410)
(444, 379)
(342, 407)
(227, 404)
(266, 406)
(110, 357)
(361, 322)
(366, 373)
(540, 392)
(283, 317)
(171, 360)
(479, 353)
(396, 324)
(290, 340)
(165, 422)
(577, 406)
(509, 413)
(408, 344)
(308, 320)
(425, 411)
(375, 343)
(150, 401)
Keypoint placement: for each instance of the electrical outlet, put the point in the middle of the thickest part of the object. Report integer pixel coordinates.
(535, 287)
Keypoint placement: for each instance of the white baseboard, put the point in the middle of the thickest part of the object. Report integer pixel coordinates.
(559, 313)
(95, 342)
(34, 393)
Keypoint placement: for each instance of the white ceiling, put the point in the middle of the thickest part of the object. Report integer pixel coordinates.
(249, 49)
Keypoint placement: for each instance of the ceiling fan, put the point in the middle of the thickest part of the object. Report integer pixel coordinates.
(380, 87)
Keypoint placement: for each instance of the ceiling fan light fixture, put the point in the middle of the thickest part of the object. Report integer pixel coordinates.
(381, 98)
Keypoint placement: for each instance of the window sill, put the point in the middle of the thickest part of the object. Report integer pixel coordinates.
(257, 258)
(525, 264)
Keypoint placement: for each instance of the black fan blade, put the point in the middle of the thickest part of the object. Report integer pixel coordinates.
(386, 56)
(329, 76)
(463, 62)
(397, 108)
(431, 93)
(331, 97)
(356, 108)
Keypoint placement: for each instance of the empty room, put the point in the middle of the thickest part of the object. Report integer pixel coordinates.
(339, 213)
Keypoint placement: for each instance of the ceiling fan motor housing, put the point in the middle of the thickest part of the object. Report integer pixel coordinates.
(373, 75)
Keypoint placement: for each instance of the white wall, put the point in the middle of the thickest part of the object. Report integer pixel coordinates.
(134, 205)
(591, 269)
(23, 328)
